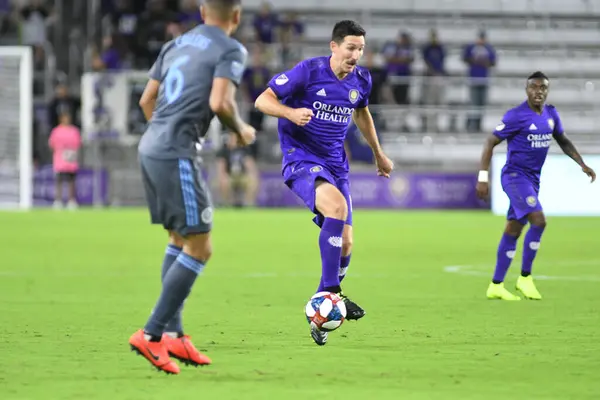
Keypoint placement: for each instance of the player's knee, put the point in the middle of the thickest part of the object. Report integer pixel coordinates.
(330, 202)
(199, 253)
(513, 228)
(198, 246)
(334, 208)
(538, 219)
(339, 210)
(540, 223)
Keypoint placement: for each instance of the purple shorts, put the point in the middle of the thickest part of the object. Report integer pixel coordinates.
(301, 176)
(523, 196)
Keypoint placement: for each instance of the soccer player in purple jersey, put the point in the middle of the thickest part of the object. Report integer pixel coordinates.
(528, 130)
(315, 102)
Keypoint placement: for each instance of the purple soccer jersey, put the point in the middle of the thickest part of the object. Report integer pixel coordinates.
(316, 150)
(528, 135)
(312, 84)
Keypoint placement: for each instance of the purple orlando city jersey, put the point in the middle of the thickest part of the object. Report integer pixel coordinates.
(528, 136)
(312, 84)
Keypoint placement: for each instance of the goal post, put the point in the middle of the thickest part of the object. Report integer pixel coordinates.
(16, 127)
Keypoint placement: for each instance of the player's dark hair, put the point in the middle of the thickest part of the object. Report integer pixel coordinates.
(538, 75)
(222, 3)
(346, 28)
(223, 7)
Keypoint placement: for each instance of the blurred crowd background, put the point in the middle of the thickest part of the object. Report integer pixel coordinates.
(444, 72)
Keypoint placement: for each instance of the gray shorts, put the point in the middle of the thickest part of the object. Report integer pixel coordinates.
(177, 195)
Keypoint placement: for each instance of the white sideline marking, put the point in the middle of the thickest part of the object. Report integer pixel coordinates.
(474, 271)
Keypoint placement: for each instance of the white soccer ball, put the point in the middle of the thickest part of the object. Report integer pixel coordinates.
(326, 311)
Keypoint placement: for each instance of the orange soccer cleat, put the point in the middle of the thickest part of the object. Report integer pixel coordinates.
(184, 350)
(155, 352)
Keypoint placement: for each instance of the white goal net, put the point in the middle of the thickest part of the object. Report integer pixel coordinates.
(16, 124)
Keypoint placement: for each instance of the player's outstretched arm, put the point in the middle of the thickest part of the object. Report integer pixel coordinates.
(269, 104)
(222, 103)
(569, 149)
(148, 99)
(484, 165)
(364, 122)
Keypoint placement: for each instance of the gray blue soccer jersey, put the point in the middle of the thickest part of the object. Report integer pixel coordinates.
(185, 68)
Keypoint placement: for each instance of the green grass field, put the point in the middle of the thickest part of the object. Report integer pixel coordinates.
(75, 285)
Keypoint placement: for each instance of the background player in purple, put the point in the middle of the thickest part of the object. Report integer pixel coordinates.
(528, 130)
(315, 102)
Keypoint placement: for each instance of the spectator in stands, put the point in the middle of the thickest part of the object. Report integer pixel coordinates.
(237, 174)
(189, 15)
(122, 22)
(265, 24)
(109, 57)
(399, 56)
(152, 32)
(379, 78)
(65, 142)
(63, 103)
(434, 55)
(291, 31)
(110, 6)
(123, 19)
(254, 82)
(38, 143)
(481, 58)
(34, 18)
(5, 20)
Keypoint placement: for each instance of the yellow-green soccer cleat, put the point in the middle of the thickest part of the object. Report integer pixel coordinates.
(497, 291)
(526, 286)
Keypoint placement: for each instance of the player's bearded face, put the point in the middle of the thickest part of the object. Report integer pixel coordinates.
(349, 52)
(537, 91)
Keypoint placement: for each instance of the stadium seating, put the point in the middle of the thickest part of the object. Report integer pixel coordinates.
(507, 7)
(459, 35)
(506, 91)
(556, 36)
(510, 64)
